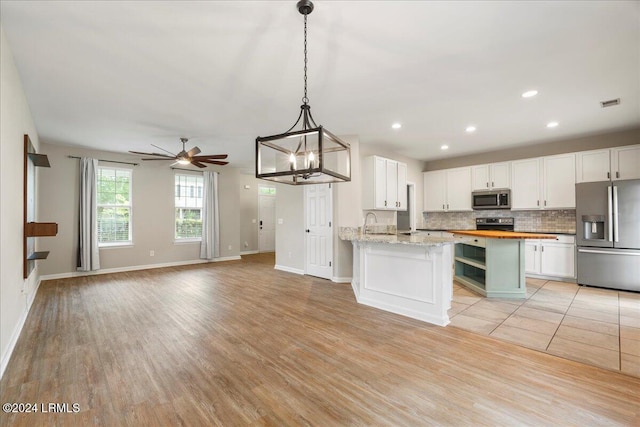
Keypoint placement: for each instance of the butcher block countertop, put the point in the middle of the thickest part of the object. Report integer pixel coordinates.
(495, 234)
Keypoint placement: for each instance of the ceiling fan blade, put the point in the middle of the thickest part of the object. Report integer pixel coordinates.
(212, 156)
(166, 158)
(198, 164)
(214, 162)
(164, 150)
(193, 152)
(151, 154)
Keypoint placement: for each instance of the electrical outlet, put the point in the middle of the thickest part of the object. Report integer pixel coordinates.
(289, 254)
(229, 247)
(246, 244)
(152, 253)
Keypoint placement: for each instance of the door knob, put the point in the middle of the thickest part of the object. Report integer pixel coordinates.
(307, 230)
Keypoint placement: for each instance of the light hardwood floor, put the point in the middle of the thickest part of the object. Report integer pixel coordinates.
(239, 343)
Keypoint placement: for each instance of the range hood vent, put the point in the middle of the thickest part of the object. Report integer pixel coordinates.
(610, 103)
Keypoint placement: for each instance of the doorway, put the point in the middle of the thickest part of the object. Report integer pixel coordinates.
(318, 207)
(266, 218)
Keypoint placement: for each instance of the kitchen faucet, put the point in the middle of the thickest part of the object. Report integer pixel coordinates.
(375, 218)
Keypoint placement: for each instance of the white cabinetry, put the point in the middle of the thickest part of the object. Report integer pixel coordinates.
(495, 175)
(543, 183)
(551, 258)
(559, 182)
(384, 184)
(602, 165)
(525, 184)
(625, 162)
(447, 190)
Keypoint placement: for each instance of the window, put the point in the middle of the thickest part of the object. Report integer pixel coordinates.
(114, 206)
(188, 203)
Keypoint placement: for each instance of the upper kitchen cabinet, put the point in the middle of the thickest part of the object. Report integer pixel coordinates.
(625, 162)
(559, 182)
(384, 184)
(526, 181)
(447, 190)
(494, 175)
(608, 164)
(544, 183)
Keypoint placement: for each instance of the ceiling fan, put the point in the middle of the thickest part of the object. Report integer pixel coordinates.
(187, 157)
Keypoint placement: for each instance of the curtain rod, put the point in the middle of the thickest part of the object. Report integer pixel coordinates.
(108, 161)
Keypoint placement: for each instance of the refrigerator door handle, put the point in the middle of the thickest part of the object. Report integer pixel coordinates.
(596, 251)
(609, 215)
(616, 236)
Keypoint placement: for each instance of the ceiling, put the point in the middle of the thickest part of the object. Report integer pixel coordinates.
(122, 75)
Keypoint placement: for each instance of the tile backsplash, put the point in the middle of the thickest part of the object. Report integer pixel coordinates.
(547, 221)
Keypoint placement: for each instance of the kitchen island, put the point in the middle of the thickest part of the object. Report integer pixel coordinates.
(492, 262)
(409, 275)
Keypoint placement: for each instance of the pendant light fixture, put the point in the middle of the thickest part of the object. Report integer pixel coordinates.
(310, 155)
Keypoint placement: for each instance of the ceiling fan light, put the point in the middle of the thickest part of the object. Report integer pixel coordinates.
(184, 161)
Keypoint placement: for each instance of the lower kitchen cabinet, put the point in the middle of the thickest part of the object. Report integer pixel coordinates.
(554, 259)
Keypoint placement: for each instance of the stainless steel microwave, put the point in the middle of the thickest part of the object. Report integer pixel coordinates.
(493, 199)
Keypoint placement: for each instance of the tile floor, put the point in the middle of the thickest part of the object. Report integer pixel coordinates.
(599, 327)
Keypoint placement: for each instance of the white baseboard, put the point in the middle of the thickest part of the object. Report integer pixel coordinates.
(249, 252)
(341, 279)
(18, 330)
(289, 269)
(135, 268)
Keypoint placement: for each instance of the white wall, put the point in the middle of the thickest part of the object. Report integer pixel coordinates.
(16, 294)
(290, 234)
(152, 213)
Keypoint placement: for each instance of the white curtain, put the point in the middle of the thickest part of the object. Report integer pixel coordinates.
(88, 254)
(210, 245)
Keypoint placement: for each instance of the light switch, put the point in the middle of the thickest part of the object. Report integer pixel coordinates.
(246, 187)
(253, 221)
(280, 221)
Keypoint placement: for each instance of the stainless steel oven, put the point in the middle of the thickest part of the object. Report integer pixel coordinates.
(494, 199)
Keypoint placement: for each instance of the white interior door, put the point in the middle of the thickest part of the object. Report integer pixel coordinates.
(318, 229)
(267, 220)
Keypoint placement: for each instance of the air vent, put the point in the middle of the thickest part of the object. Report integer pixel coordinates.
(610, 103)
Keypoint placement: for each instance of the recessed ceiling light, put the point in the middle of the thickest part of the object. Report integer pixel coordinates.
(470, 129)
(552, 124)
(530, 93)
(396, 125)
(444, 147)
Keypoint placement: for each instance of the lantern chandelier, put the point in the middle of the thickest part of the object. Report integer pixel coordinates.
(311, 155)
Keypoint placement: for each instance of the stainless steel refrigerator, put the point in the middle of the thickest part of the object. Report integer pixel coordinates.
(608, 234)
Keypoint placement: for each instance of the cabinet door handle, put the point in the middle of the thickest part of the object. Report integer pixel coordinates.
(492, 184)
(535, 249)
(447, 205)
(385, 203)
(538, 202)
(487, 185)
(541, 248)
(608, 175)
(442, 206)
(618, 174)
(545, 203)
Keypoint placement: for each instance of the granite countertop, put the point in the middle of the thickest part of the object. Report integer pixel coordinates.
(353, 234)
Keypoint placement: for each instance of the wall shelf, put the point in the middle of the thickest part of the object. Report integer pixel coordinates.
(38, 255)
(41, 229)
(33, 229)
